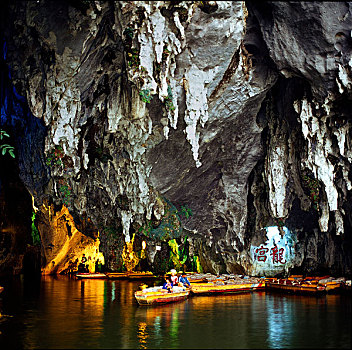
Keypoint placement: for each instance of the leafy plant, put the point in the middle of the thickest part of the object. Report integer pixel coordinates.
(65, 190)
(128, 32)
(146, 228)
(35, 232)
(6, 147)
(133, 58)
(196, 264)
(177, 257)
(186, 212)
(169, 99)
(55, 156)
(145, 95)
(313, 185)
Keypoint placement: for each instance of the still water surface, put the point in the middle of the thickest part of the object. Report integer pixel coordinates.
(62, 312)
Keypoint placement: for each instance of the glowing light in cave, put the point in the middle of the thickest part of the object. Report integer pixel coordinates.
(70, 243)
(33, 205)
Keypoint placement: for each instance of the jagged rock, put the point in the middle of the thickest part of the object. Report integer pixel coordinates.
(232, 109)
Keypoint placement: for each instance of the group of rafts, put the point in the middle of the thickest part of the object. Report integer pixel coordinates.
(208, 284)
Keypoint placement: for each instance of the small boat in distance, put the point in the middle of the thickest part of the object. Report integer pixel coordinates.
(332, 285)
(158, 295)
(131, 275)
(117, 275)
(140, 275)
(91, 275)
(230, 286)
(304, 286)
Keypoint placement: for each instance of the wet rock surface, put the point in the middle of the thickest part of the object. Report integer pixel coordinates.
(233, 110)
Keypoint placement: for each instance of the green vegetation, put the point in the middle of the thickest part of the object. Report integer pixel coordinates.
(6, 147)
(35, 232)
(65, 190)
(170, 226)
(169, 99)
(177, 257)
(313, 185)
(145, 95)
(128, 32)
(185, 211)
(133, 58)
(55, 157)
(196, 266)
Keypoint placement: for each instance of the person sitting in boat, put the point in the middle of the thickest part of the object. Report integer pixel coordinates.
(184, 281)
(168, 285)
(174, 278)
(82, 266)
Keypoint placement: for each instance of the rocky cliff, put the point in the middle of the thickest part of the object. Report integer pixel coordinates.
(222, 126)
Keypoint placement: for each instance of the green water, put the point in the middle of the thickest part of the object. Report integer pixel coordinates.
(62, 312)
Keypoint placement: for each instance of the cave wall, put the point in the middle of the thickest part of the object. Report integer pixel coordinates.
(232, 109)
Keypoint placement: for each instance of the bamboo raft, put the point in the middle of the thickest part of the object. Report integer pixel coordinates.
(308, 285)
(228, 286)
(296, 287)
(117, 275)
(332, 285)
(157, 295)
(141, 275)
(90, 275)
(131, 275)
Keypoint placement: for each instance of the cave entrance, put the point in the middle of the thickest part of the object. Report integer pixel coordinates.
(17, 252)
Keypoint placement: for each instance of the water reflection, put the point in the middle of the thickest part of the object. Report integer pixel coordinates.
(66, 304)
(142, 335)
(68, 313)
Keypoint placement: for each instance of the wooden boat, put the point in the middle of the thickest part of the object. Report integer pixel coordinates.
(332, 285)
(130, 275)
(117, 275)
(295, 277)
(91, 275)
(196, 278)
(157, 295)
(141, 275)
(299, 287)
(227, 287)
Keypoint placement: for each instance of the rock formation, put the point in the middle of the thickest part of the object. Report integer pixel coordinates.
(213, 121)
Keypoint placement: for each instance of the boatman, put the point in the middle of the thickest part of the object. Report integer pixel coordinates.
(174, 278)
(184, 280)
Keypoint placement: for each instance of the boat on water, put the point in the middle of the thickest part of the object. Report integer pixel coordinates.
(304, 286)
(158, 295)
(141, 275)
(131, 275)
(91, 275)
(332, 285)
(117, 275)
(228, 286)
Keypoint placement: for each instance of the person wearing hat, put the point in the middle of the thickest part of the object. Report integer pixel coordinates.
(184, 280)
(168, 285)
(174, 278)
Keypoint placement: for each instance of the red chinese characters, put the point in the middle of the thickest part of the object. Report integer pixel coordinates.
(277, 255)
(261, 253)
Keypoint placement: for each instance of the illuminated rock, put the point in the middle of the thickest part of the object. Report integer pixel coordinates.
(62, 244)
